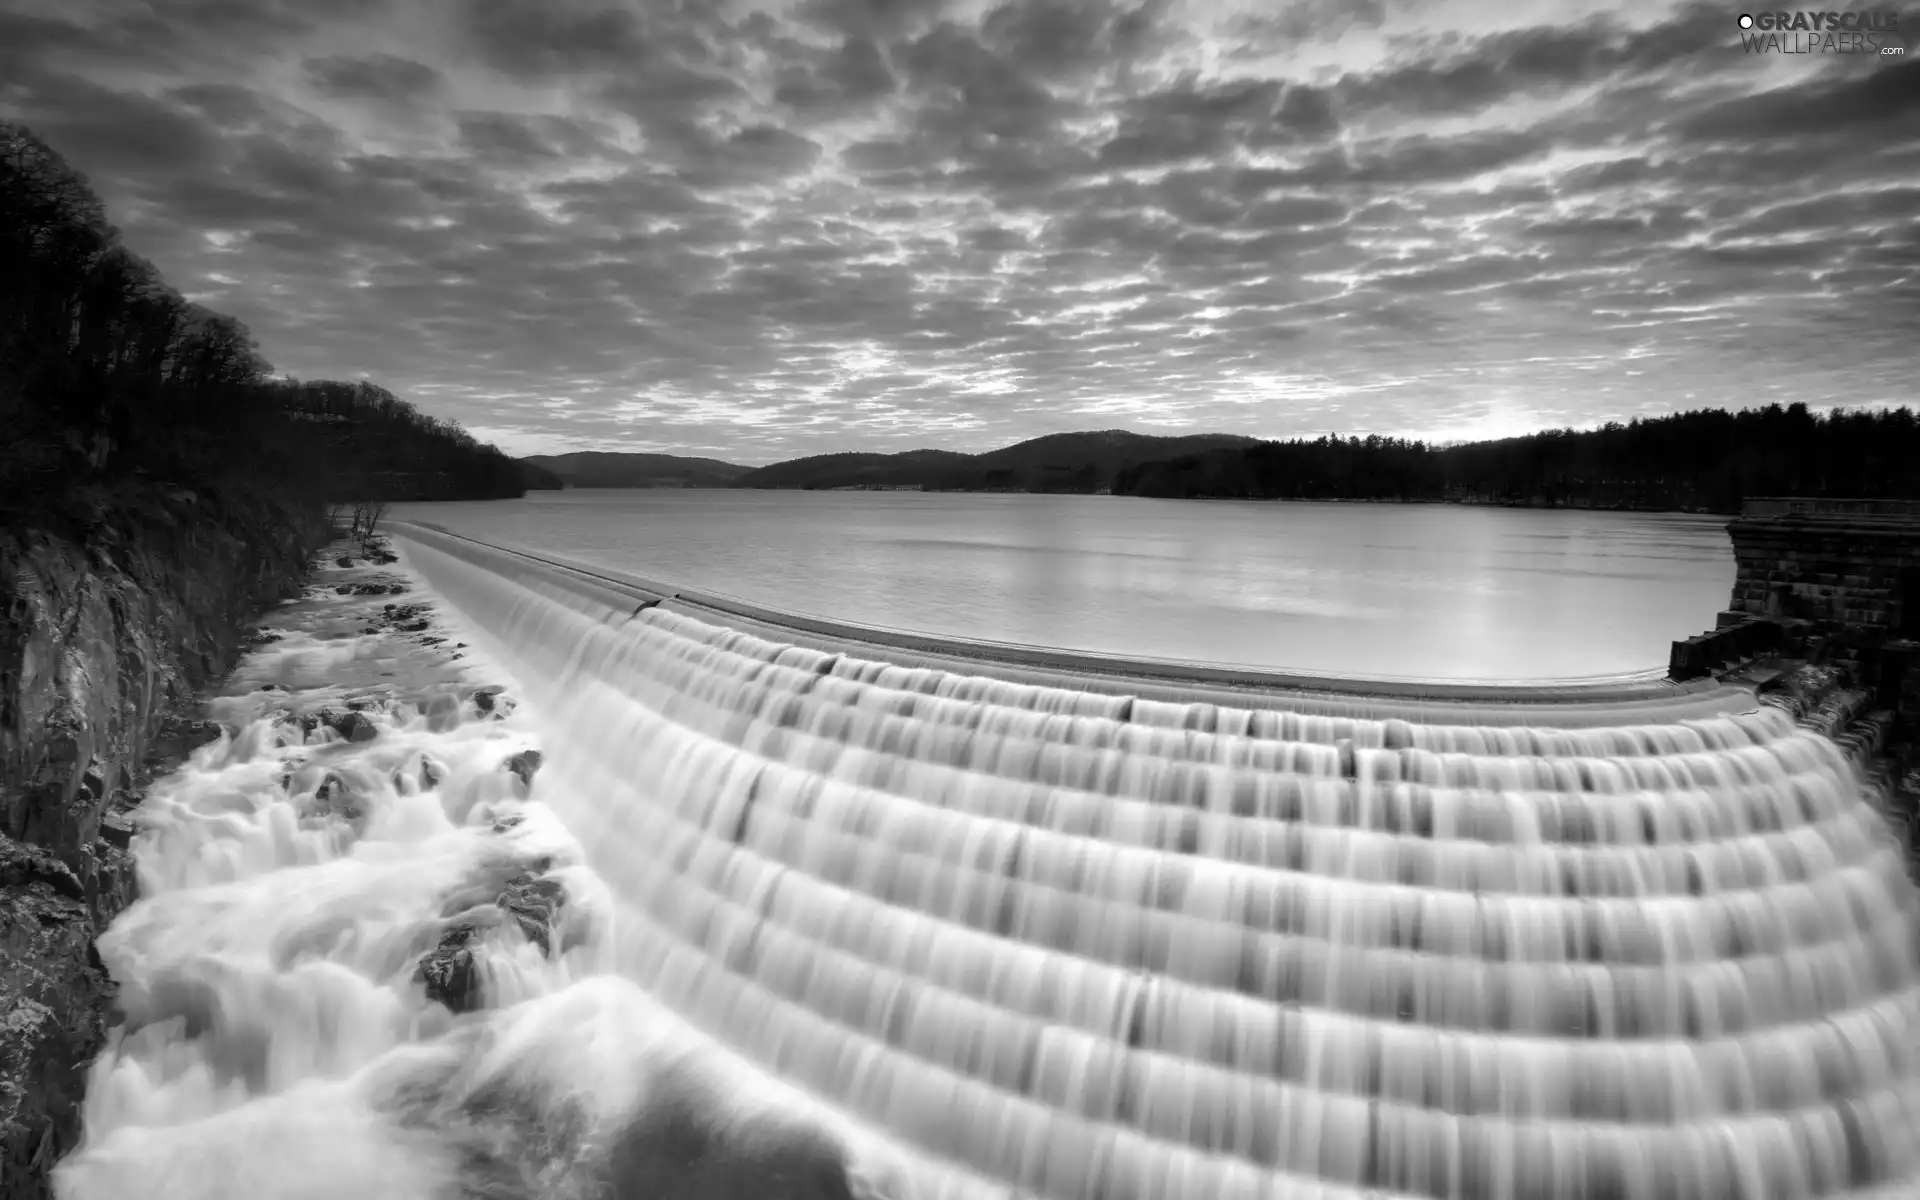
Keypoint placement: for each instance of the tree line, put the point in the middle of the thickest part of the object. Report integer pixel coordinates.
(1705, 461)
(385, 448)
(107, 373)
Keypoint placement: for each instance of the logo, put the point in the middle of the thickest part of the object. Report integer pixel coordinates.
(1855, 32)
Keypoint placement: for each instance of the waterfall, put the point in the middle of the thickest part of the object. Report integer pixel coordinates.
(990, 936)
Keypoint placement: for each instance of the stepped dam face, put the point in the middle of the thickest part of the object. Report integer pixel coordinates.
(879, 926)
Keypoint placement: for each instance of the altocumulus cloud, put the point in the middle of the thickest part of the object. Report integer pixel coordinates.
(760, 229)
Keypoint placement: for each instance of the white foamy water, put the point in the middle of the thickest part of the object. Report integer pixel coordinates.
(830, 926)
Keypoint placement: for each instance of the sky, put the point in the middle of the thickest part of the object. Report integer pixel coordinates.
(760, 229)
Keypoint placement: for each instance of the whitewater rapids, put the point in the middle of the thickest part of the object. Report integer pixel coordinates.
(829, 927)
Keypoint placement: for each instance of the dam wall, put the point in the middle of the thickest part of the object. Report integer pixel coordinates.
(1842, 579)
(1826, 600)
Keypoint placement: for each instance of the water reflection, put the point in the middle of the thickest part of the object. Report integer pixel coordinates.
(1382, 589)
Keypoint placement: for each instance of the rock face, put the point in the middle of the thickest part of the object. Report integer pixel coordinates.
(106, 632)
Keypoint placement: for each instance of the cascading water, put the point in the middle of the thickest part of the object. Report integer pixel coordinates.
(830, 926)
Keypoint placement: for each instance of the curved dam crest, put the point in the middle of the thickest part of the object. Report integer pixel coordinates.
(885, 915)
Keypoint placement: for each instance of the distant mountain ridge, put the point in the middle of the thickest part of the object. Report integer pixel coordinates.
(616, 469)
(1056, 462)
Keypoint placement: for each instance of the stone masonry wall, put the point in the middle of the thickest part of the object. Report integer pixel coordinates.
(110, 621)
(1844, 576)
(1845, 587)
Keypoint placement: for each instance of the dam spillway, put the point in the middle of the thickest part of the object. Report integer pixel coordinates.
(1069, 928)
(1077, 943)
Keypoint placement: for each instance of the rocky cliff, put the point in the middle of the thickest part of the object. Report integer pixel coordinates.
(113, 614)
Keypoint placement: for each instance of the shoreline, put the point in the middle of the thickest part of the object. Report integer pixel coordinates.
(915, 489)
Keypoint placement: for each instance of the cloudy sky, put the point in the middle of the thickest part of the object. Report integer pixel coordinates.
(761, 228)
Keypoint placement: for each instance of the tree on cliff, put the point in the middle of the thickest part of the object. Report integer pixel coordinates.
(103, 367)
(108, 373)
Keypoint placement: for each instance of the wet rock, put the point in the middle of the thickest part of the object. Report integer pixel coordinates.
(533, 901)
(449, 973)
(356, 727)
(176, 740)
(414, 627)
(485, 698)
(343, 561)
(527, 897)
(22, 865)
(54, 997)
(336, 799)
(524, 764)
(427, 773)
(116, 830)
(352, 725)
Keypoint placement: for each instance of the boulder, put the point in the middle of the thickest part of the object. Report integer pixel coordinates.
(352, 725)
(177, 738)
(116, 830)
(524, 764)
(427, 773)
(336, 799)
(528, 897)
(533, 901)
(357, 727)
(448, 971)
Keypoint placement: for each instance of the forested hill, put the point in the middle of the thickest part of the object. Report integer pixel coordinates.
(1058, 462)
(377, 446)
(1708, 460)
(110, 377)
(616, 469)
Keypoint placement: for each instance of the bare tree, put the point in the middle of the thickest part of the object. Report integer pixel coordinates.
(366, 519)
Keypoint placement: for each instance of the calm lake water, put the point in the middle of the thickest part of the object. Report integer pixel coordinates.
(1432, 591)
